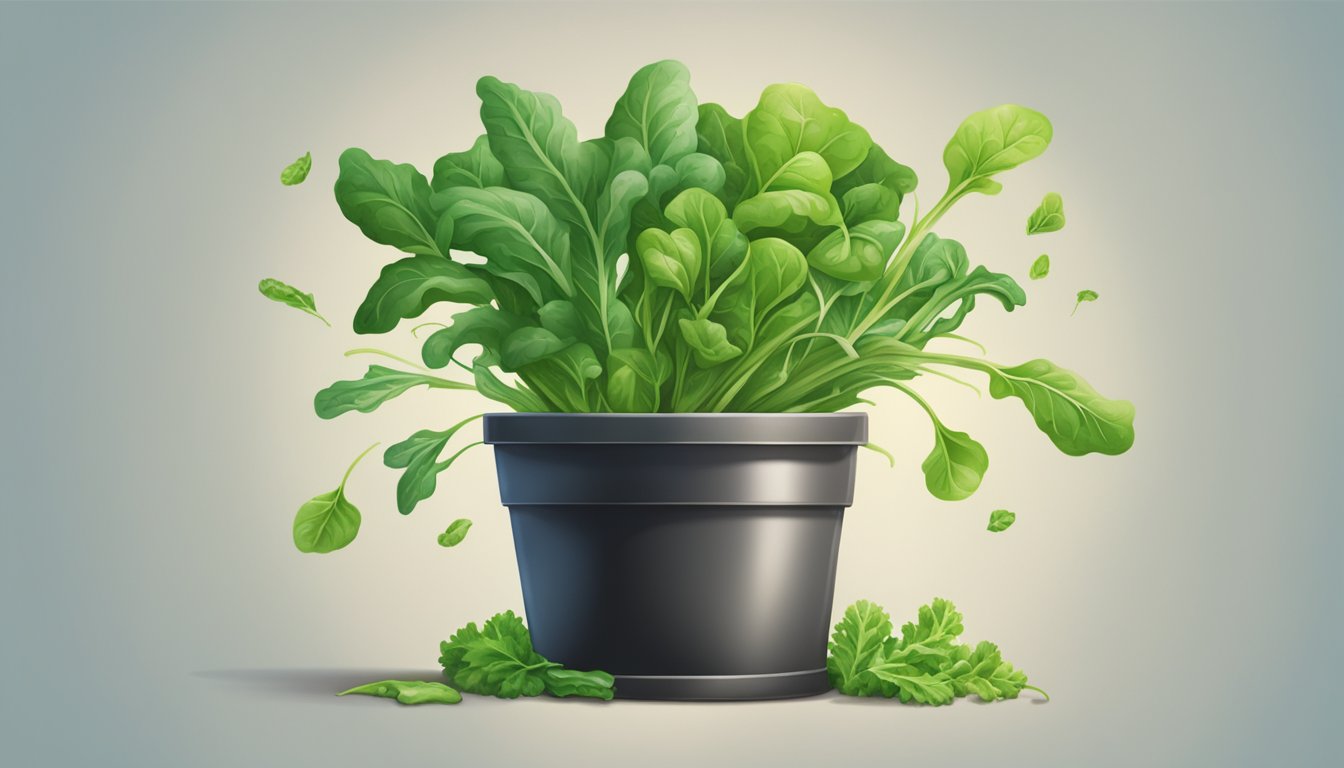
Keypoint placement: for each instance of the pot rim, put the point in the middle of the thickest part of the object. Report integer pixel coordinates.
(676, 428)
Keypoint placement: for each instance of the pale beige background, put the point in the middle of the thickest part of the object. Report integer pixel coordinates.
(1181, 603)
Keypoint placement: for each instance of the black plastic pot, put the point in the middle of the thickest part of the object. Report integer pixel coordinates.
(690, 555)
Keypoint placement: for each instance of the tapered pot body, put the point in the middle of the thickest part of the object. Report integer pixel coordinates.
(692, 556)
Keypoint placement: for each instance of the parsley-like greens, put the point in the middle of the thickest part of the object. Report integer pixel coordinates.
(497, 659)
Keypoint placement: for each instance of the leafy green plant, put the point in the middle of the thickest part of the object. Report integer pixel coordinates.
(498, 660)
(1000, 520)
(408, 692)
(924, 664)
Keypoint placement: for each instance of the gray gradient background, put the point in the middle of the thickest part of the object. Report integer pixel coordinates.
(1181, 603)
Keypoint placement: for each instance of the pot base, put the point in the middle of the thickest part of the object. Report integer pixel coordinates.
(788, 685)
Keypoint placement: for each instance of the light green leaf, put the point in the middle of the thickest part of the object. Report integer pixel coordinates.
(720, 136)
(377, 387)
(658, 109)
(485, 326)
(328, 521)
(790, 119)
(1084, 296)
(1000, 520)
(457, 531)
(408, 692)
(990, 142)
(855, 646)
(1066, 408)
(633, 379)
(859, 254)
(955, 466)
(476, 167)
(869, 202)
(1040, 267)
(388, 202)
(528, 345)
(984, 673)
(418, 455)
(1048, 216)
(721, 244)
(513, 230)
(789, 210)
(290, 296)
(671, 260)
(297, 171)
(806, 171)
(708, 340)
(498, 660)
(938, 626)
(406, 288)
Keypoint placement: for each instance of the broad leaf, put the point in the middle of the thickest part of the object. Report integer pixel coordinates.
(990, 142)
(1040, 267)
(708, 340)
(1000, 520)
(388, 202)
(658, 109)
(671, 260)
(476, 167)
(790, 119)
(859, 254)
(528, 345)
(297, 171)
(721, 244)
(485, 326)
(328, 522)
(955, 466)
(514, 231)
(456, 532)
(720, 136)
(290, 296)
(1066, 408)
(408, 287)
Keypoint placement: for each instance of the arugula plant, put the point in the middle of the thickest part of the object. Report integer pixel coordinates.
(924, 664)
(690, 260)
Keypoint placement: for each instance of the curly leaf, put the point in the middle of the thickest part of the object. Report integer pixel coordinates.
(498, 660)
(1040, 267)
(855, 645)
(297, 171)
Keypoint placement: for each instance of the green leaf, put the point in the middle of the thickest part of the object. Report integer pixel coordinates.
(327, 522)
(514, 231)
(418, 455)
(1048, 216)
(721, 244)
(388, 202)
(955, 466)
(708, 340)
(790, 119)
(528, 345)
(789, 210)
(379, 385)
(855, 646)
(658, 110)
(634, 377)
(1084, 295)
(498, 660)
(671, 260)
(859, 254)
(564, 377)
(937, 627)
(777, 272)
(984, 673)
(1000, 520)
(406, 288)
(870, 202)
(912, 684)
(457, 531)
(290, 296)
(561, 318)
(476, 167)
(297, 171)
(516, 397)
(1066, 408)
(485, 326)
(1040, 267)
(408, 692)
(990, 142)
(720, 136)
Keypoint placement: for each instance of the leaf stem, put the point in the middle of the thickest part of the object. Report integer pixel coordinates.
(382, 353)
(351, 468)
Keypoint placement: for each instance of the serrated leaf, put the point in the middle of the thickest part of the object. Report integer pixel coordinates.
(1040, 267)
(855, 645)
(290, 296)
(297, 171)
(912, 684)
(408, 287)
(938, 626)
(457, 531)
(1001, 520)
(498, 660)
(955, 466)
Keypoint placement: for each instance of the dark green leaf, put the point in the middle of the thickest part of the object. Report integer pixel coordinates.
(513, 230)
(1048, 216)
(418, 455)
(406, 288)
(720, 136)
(379, 385)
(388, 202)
(291, 296)
(485, 326)
(328, 521)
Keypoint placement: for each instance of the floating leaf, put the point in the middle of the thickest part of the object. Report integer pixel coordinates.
(1083, 296)
(1048, 216)
(455, 533)
(1000, 520)
(289, 295)
(1040, 267)
(327, 522)
(297, 171)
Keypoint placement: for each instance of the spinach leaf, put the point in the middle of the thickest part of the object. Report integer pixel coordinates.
(514, 231)
(1066, 408)
(379, 385)
(708, 340)
(990, 142)
(290, 296)
(328, 522)
(790, 119)
(419, 456)
(1000, 520)
(1040, 267)
(658, 110)
(720, 136)
(955, 466)
(297, 171)
(388, 202)
(1084, 296)
(1048, 216)
(457, 531)
(406, 288)
(476, 167)
(485, 326)
(408, 692)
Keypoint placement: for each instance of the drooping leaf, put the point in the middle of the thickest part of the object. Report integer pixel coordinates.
(388, 202)
(1048, 216)
(406, 288)
(990, 142)
(379, 385)
(708, 340)
(408, 692)
(1066, 408)
(485, 326)
(1040, 267)
(955, 466)
(476, 167)
(984, 673)
(418, 455)
(328, 522)
(289, 295)
(297, 171)
(1084, 295)
(658, 109)
(513, 230)
(1000, 520)
(456, 532)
